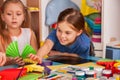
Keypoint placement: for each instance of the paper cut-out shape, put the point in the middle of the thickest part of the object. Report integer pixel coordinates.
(12, 73)
(13, 51)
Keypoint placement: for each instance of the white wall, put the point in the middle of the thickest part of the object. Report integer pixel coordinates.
(110, 21)
(45, 30)
(111, 18)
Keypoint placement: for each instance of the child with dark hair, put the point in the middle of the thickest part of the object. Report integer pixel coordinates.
(69, 39)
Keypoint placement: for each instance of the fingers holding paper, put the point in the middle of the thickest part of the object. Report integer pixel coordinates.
(35, 58)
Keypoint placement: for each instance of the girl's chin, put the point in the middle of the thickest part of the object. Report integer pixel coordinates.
(62, 43)
(65, 44)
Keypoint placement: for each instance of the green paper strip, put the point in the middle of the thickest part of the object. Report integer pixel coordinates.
(27, 50)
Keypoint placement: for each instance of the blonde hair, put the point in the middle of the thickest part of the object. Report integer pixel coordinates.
(5, 37)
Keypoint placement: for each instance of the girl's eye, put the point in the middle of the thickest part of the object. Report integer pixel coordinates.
(9, 14)
(19, 14)
(58, 30)
(67, 32)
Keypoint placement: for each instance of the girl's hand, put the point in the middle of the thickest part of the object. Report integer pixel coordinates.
(2, 59)
(35, 58)
(19, 61)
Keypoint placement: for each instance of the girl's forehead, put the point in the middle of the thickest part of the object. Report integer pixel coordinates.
(13, 6)
(66, 25)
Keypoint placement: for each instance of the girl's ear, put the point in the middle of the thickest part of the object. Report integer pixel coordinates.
(79, 32)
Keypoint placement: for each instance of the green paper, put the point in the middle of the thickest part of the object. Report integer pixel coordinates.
(27, 50)
(13, 51)
(31, 76)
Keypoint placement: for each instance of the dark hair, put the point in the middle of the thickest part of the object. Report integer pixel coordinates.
(73, 17)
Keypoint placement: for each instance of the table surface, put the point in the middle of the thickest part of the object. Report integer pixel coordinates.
(58, 65)
(88, 64)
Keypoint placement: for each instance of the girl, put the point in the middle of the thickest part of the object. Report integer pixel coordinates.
(14, 23)
(69, 39)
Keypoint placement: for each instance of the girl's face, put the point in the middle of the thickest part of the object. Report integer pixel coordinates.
(65, 34)
(13, 15)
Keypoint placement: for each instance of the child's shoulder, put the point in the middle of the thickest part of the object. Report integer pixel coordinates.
(84, 37)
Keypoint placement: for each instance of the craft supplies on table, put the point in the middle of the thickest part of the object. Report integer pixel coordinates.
(90, 73)
(77, 72)
(80, 75)
(107, 73)
(98, 72)
(85, 68)
(62, 72)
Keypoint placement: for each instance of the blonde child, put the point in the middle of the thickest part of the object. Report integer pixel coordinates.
(69, 39)
(14, 25)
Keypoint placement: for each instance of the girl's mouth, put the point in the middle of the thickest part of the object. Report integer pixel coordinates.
(14, 22)
(62, 41)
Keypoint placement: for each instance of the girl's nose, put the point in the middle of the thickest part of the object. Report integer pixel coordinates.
(13, 16)
(62, 35)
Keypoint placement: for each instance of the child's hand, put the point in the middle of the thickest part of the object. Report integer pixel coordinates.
(35, 58)
(2, 59)
(19, 61)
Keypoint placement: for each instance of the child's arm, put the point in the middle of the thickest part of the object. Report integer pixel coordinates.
(2, 59)
(33, 41)
(52, 53)
(2, 54)
(44, 50)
